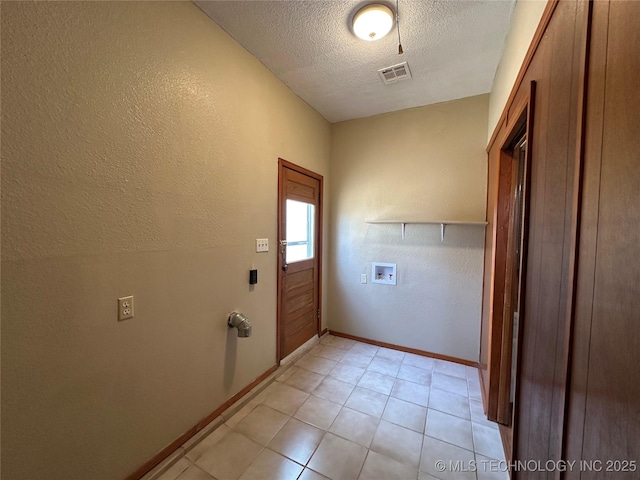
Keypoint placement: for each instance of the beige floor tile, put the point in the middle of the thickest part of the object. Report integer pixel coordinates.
(449, 428)
(367, 401)
(449, 383)
(297, 441)
(327, 351)
(405, 414)
(338, 342)
(384, 366)
(176, 469)
(426, 476)
(309, 474)
(318, 412)
(399, 443)
(487, 441)
(334, 390)
(390, 354)
(205, 431)
(415, 374)
(475, 392)
(491, 469)
(199, 436)
(450, 368)
(451, 403)
(316, 364)
(259, 397)
(355, 426)
(411, 392)
(284, 398)
(377, 382)
(337, 458)
(207, 442)
(364, 348)
(262, 424)
(478, 415)
(242, 413)
(473, 375)
(305, 380)
(359, 360)
(230, 457)
(270, 465)
(287, 374)
(194, 473)
(426, 363)
(347, 373)
(381, 412)
(435, 451)
(380, 467)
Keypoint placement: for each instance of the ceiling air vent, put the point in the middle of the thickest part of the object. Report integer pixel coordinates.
(395, 73)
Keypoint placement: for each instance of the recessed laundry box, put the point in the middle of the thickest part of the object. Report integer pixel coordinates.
(383, 273)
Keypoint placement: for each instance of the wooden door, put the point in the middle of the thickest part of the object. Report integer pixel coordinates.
(603, 399)
(299, 258)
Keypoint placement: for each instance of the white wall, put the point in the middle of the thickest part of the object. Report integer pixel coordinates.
(524, 22)
(140, 146)
(424, 163)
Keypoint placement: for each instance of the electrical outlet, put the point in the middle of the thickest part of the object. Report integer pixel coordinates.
(262, 244)
(125, 308)
(363, 278)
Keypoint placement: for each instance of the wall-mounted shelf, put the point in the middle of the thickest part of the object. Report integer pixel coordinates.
(442, 224)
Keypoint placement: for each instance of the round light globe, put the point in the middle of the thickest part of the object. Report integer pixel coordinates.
(373, 22)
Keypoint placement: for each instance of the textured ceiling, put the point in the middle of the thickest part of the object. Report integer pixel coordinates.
(452, 47)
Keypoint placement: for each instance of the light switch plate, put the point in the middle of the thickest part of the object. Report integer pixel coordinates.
(363, 278)
(262, 244)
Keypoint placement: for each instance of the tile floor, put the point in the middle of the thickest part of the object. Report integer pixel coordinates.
(349, 410)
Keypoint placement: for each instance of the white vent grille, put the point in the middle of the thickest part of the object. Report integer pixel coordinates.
(395, 73)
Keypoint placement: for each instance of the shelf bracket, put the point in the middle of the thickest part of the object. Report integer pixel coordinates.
(442, 232)
(404, 225)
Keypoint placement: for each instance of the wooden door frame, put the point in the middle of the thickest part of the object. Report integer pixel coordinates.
(513, 264)
(296, 168)
(499, 354)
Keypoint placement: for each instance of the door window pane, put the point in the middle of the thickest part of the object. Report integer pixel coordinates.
(300, 220)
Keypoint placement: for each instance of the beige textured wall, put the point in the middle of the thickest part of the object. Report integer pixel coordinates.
(524, 22)
(425, 163)
(139, 156)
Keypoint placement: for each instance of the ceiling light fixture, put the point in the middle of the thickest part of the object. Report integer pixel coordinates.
(373, 22)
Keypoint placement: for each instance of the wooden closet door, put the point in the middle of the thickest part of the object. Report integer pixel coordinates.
(604, 398)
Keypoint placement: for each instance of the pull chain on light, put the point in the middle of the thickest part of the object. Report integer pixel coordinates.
(400, 51)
